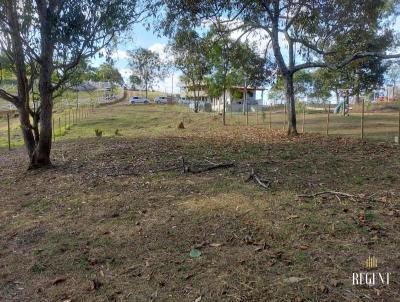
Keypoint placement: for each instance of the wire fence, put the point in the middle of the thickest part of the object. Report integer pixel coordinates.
(380, 122)
(365, 121)
(66, 115)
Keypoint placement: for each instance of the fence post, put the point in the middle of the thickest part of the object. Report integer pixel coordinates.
(59, 125)
(8, 131)
(327, 119)
(247, 112)
(362, 119)
(398, 134)
(285, 118)
(257, 114)
(304, 119)
(69, 118)
(270, 118)
(65, 121)
(54, 131)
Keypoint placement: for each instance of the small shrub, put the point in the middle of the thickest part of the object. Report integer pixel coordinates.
(38, 268)
(117, 133)
(99, 133)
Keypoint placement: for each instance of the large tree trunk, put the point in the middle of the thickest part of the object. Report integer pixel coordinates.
(41, 155)
(26, 129)
(244, 103)
(291, 106)
(21, 76)
(196, 101)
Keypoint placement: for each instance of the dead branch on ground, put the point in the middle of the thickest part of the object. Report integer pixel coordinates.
(188, 169)
(337, 194)
(262, 183)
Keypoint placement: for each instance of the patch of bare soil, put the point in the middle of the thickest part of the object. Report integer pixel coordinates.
(117, 220)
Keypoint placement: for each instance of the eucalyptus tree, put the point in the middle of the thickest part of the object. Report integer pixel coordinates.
(233, 63)
(301, 34)
(221, 56)
(45, 40)
(189, 50)
(107, 72)
(147, 66)
(135, 81)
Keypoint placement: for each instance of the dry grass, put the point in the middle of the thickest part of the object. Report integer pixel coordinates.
(116, 218)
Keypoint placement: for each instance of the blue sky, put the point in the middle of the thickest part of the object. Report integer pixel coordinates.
(140, 37)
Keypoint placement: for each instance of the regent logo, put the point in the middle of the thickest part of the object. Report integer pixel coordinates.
(371, 262)
(371, 278)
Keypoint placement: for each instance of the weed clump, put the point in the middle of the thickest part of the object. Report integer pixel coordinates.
(99, 133)
(181, 126)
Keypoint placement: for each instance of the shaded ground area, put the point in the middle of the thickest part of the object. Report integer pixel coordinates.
(116, 219)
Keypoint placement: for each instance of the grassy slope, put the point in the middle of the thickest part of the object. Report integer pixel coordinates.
(115, 219)
(379, 126)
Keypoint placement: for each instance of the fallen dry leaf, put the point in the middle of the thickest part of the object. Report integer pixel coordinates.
(215, 244)
(58, 280)
(293, 279)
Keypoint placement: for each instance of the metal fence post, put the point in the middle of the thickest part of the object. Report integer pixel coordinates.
(327, 119)
(270, 118)
(284, 118)
(257, 114)
(398, 133)
(362, 119)
(8, 131)
(54, 131)
(304, 119)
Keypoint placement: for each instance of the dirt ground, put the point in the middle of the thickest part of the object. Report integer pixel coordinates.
(116, 219)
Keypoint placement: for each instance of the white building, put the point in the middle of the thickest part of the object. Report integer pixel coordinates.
(235, 100)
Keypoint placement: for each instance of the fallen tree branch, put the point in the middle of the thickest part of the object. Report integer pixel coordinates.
(213, 167)
(188, 169)
(341, 194)
(262, 183)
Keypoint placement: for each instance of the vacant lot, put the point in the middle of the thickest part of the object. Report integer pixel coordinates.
(116, 219)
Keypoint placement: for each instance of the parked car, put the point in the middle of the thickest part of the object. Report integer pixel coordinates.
(161, 100)
(138, 100)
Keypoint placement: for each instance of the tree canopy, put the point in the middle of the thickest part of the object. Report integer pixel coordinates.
(299, 34)
(45, 41)
(147, 66)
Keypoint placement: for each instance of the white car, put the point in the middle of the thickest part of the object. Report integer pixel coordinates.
(138, 100)
(161, 100)
(184, 101)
